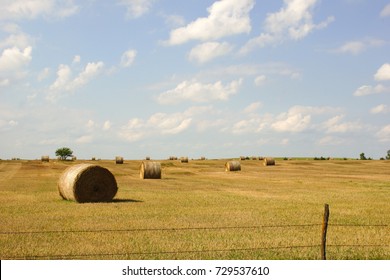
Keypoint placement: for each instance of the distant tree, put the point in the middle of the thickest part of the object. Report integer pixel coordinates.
(362, 156)
(64, 152)
(388, 154)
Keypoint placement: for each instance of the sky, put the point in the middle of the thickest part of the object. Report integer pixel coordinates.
(220, 79)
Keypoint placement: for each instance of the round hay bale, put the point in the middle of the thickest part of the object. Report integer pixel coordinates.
(269, 161)
(233, 166)
(87, 183)
(45, 158)
(150, 170)
(119, 160)
(184, 159)
(147, 158)
(202, 158)
(93, 158)
(242, 158)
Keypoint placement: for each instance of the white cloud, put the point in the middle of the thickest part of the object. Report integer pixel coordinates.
(43, 74)
(207, 51)
(330, 140)
(383, 73)
(294, 21)
(76, 59)
(85, 139)
(197, 92)
(357, 47)
(384, 134)
(354, 47)
(334, 125)
(382, 108)
(18, 40)
(385, 11)
(253, 107)
(65, 83)
(64, 75)
(136, 8)
(226, 18)
(31, 9)
(292, 122)
(107, 125)
(13, 63)
(157, 124)
(91, 70)
(128, 57)
(260, 80)
(298, 118)
(254, 124)
(369, 90)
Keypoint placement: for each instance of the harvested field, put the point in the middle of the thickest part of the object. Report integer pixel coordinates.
(199, 211)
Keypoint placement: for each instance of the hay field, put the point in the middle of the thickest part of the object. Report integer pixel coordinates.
(199, 211)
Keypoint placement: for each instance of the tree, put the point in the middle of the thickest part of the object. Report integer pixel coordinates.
(388, 154)
(64, 152)
(362, 156)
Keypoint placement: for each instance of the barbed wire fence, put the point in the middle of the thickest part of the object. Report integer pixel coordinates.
(323, 246)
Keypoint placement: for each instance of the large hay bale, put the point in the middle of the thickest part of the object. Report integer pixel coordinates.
(119, 160)
(268, 161)
(242, 158)
(147, 158)
(184, 159)
(233, 166)
(87, 183)
(150, 170)
(45, 158)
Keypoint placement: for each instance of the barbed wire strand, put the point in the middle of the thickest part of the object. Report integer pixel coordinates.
(158, 253)
(155, 229)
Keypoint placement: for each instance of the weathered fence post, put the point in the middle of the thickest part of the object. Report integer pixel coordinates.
(324, 230)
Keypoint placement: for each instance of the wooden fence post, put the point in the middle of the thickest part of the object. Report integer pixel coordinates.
(324, 230)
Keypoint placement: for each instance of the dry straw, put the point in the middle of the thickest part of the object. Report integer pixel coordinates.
(87, 183)
(269, 161)
(119, 160)
(45, 158)
(150, 170)
(233, 166)
(184, 159)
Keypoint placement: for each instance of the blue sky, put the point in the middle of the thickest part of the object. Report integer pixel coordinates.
(136, 78)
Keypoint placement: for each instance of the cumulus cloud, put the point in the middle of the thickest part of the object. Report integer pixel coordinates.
(107, 125)
(13, 63)
(384, 134)
(335, 125)
(31, 9)
(260, 80)
(226, 18)
(369, 90)
(65, 82)
(385, 11)
(85, 139)
(253, 107)
(298, 118)
(291, 122)
(293, 21)
(380, 109)
(357, 47)
(198, 92)
(159, 124)
(207, 51)
(128, 57)
(383, 73)
(136, 8)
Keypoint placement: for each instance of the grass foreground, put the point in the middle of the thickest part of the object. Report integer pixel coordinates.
(199, 211)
